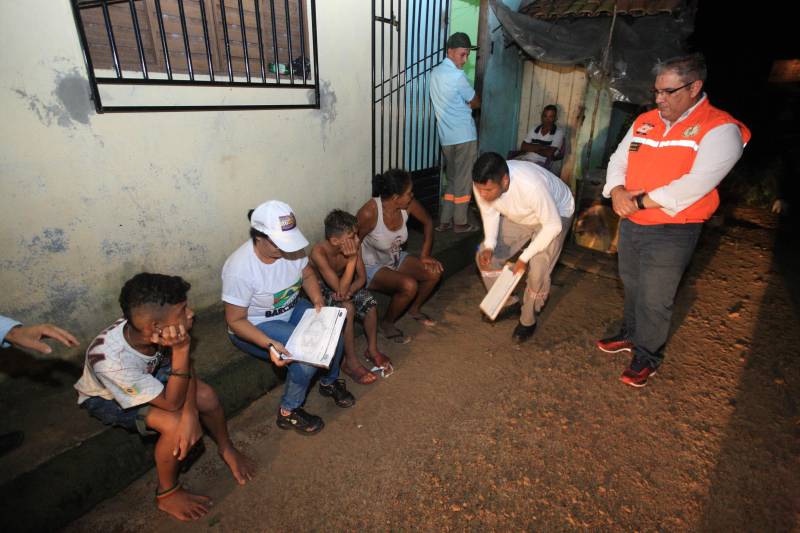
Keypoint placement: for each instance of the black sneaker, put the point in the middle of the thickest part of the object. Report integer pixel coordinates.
(338, 390)
(305, 423)
(523, 333)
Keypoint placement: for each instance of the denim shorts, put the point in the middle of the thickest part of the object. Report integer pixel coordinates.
(373, 269)
(110, 413)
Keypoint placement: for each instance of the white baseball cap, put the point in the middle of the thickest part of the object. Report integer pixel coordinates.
(276, 220)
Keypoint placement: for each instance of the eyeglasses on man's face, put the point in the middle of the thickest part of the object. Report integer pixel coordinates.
(668, 92)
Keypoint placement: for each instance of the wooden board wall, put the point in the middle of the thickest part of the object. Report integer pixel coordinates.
(544, 84)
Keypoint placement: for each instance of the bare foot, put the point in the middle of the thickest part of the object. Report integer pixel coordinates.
(184, 505)
(242, 467)
(392, 333)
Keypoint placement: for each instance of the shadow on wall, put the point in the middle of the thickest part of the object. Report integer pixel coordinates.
(755, 483)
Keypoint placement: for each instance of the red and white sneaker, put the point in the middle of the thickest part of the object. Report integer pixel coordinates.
(637, 379)
(617, 343)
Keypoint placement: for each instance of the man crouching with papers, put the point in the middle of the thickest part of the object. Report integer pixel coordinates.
(521, 203)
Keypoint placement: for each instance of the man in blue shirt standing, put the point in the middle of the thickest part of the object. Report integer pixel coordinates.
(453, 101)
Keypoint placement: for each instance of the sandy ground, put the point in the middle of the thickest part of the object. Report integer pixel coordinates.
(475, 433)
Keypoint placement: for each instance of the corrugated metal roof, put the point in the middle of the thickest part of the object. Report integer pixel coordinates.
(556, 9)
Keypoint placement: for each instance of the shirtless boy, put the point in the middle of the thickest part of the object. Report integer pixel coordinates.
(343, 279)
(138, 375)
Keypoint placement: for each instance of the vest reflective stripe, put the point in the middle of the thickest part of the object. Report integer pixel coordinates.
(659, 144)
(656, 158)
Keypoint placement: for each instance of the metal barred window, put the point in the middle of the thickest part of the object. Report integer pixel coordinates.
(183, 55)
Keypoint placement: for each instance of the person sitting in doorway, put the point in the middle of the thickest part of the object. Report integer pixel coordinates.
(382, 229)
(544, 143)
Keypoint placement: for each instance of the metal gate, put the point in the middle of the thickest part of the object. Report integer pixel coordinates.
(408, 39)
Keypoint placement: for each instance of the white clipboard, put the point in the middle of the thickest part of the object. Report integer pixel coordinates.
(316, 336)
(494, 300)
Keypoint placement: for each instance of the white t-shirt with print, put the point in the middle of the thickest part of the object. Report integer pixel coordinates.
(269, 292)
(115, 371)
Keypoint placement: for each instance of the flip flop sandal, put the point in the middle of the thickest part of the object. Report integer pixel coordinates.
(469, 228)
(443, 227)
(424, 319)
(361, 379)
(385, 371)
(397, 338)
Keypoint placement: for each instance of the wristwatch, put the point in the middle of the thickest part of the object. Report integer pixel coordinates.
(640, 201)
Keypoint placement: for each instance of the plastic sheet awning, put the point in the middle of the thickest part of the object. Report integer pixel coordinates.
(637, 44)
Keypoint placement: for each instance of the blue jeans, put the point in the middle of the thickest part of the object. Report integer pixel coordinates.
(299, 375)
(652, 260)
(110, 413)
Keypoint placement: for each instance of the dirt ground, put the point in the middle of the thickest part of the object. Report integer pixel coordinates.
(475, 433)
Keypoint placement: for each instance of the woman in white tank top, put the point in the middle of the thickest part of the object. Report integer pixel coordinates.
(383, 231)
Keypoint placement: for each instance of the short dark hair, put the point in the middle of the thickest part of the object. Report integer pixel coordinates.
(688, 67)
(393, 181)
(489, 166)
(157, 289)
(338, 222)
(550, 107)
(254, 233)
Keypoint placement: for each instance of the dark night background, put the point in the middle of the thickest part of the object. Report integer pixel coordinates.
(740, 42)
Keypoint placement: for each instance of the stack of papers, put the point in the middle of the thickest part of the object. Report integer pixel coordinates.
(493, 303)
(314, 339)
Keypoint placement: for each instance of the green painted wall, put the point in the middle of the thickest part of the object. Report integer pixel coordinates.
(464, 18)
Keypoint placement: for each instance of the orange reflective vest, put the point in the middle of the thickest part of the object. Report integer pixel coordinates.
(655, 159)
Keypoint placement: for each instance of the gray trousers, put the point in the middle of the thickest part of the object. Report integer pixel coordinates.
(458, 160)
(511, 239)
(652, 260)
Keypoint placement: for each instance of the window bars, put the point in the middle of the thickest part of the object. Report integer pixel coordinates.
(199, 54)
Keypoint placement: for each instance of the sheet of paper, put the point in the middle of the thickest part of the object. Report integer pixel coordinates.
(314, 339)
(494, 300)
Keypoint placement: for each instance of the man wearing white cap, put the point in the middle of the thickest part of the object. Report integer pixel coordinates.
(261, 284)
(453, 100)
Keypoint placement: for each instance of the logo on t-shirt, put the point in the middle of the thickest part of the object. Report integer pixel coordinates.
(288, 294)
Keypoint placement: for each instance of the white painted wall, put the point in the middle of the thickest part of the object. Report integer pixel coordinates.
(88, 200)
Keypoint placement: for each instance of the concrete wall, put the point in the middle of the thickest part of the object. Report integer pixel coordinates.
(88, 200)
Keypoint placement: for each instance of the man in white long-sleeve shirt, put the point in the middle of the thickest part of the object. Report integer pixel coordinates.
(662, 181)
(521, 203)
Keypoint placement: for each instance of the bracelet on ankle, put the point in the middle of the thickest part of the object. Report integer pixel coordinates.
(167, 492)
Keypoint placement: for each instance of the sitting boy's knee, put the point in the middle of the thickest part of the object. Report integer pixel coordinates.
(409, 285)
(207, 398)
